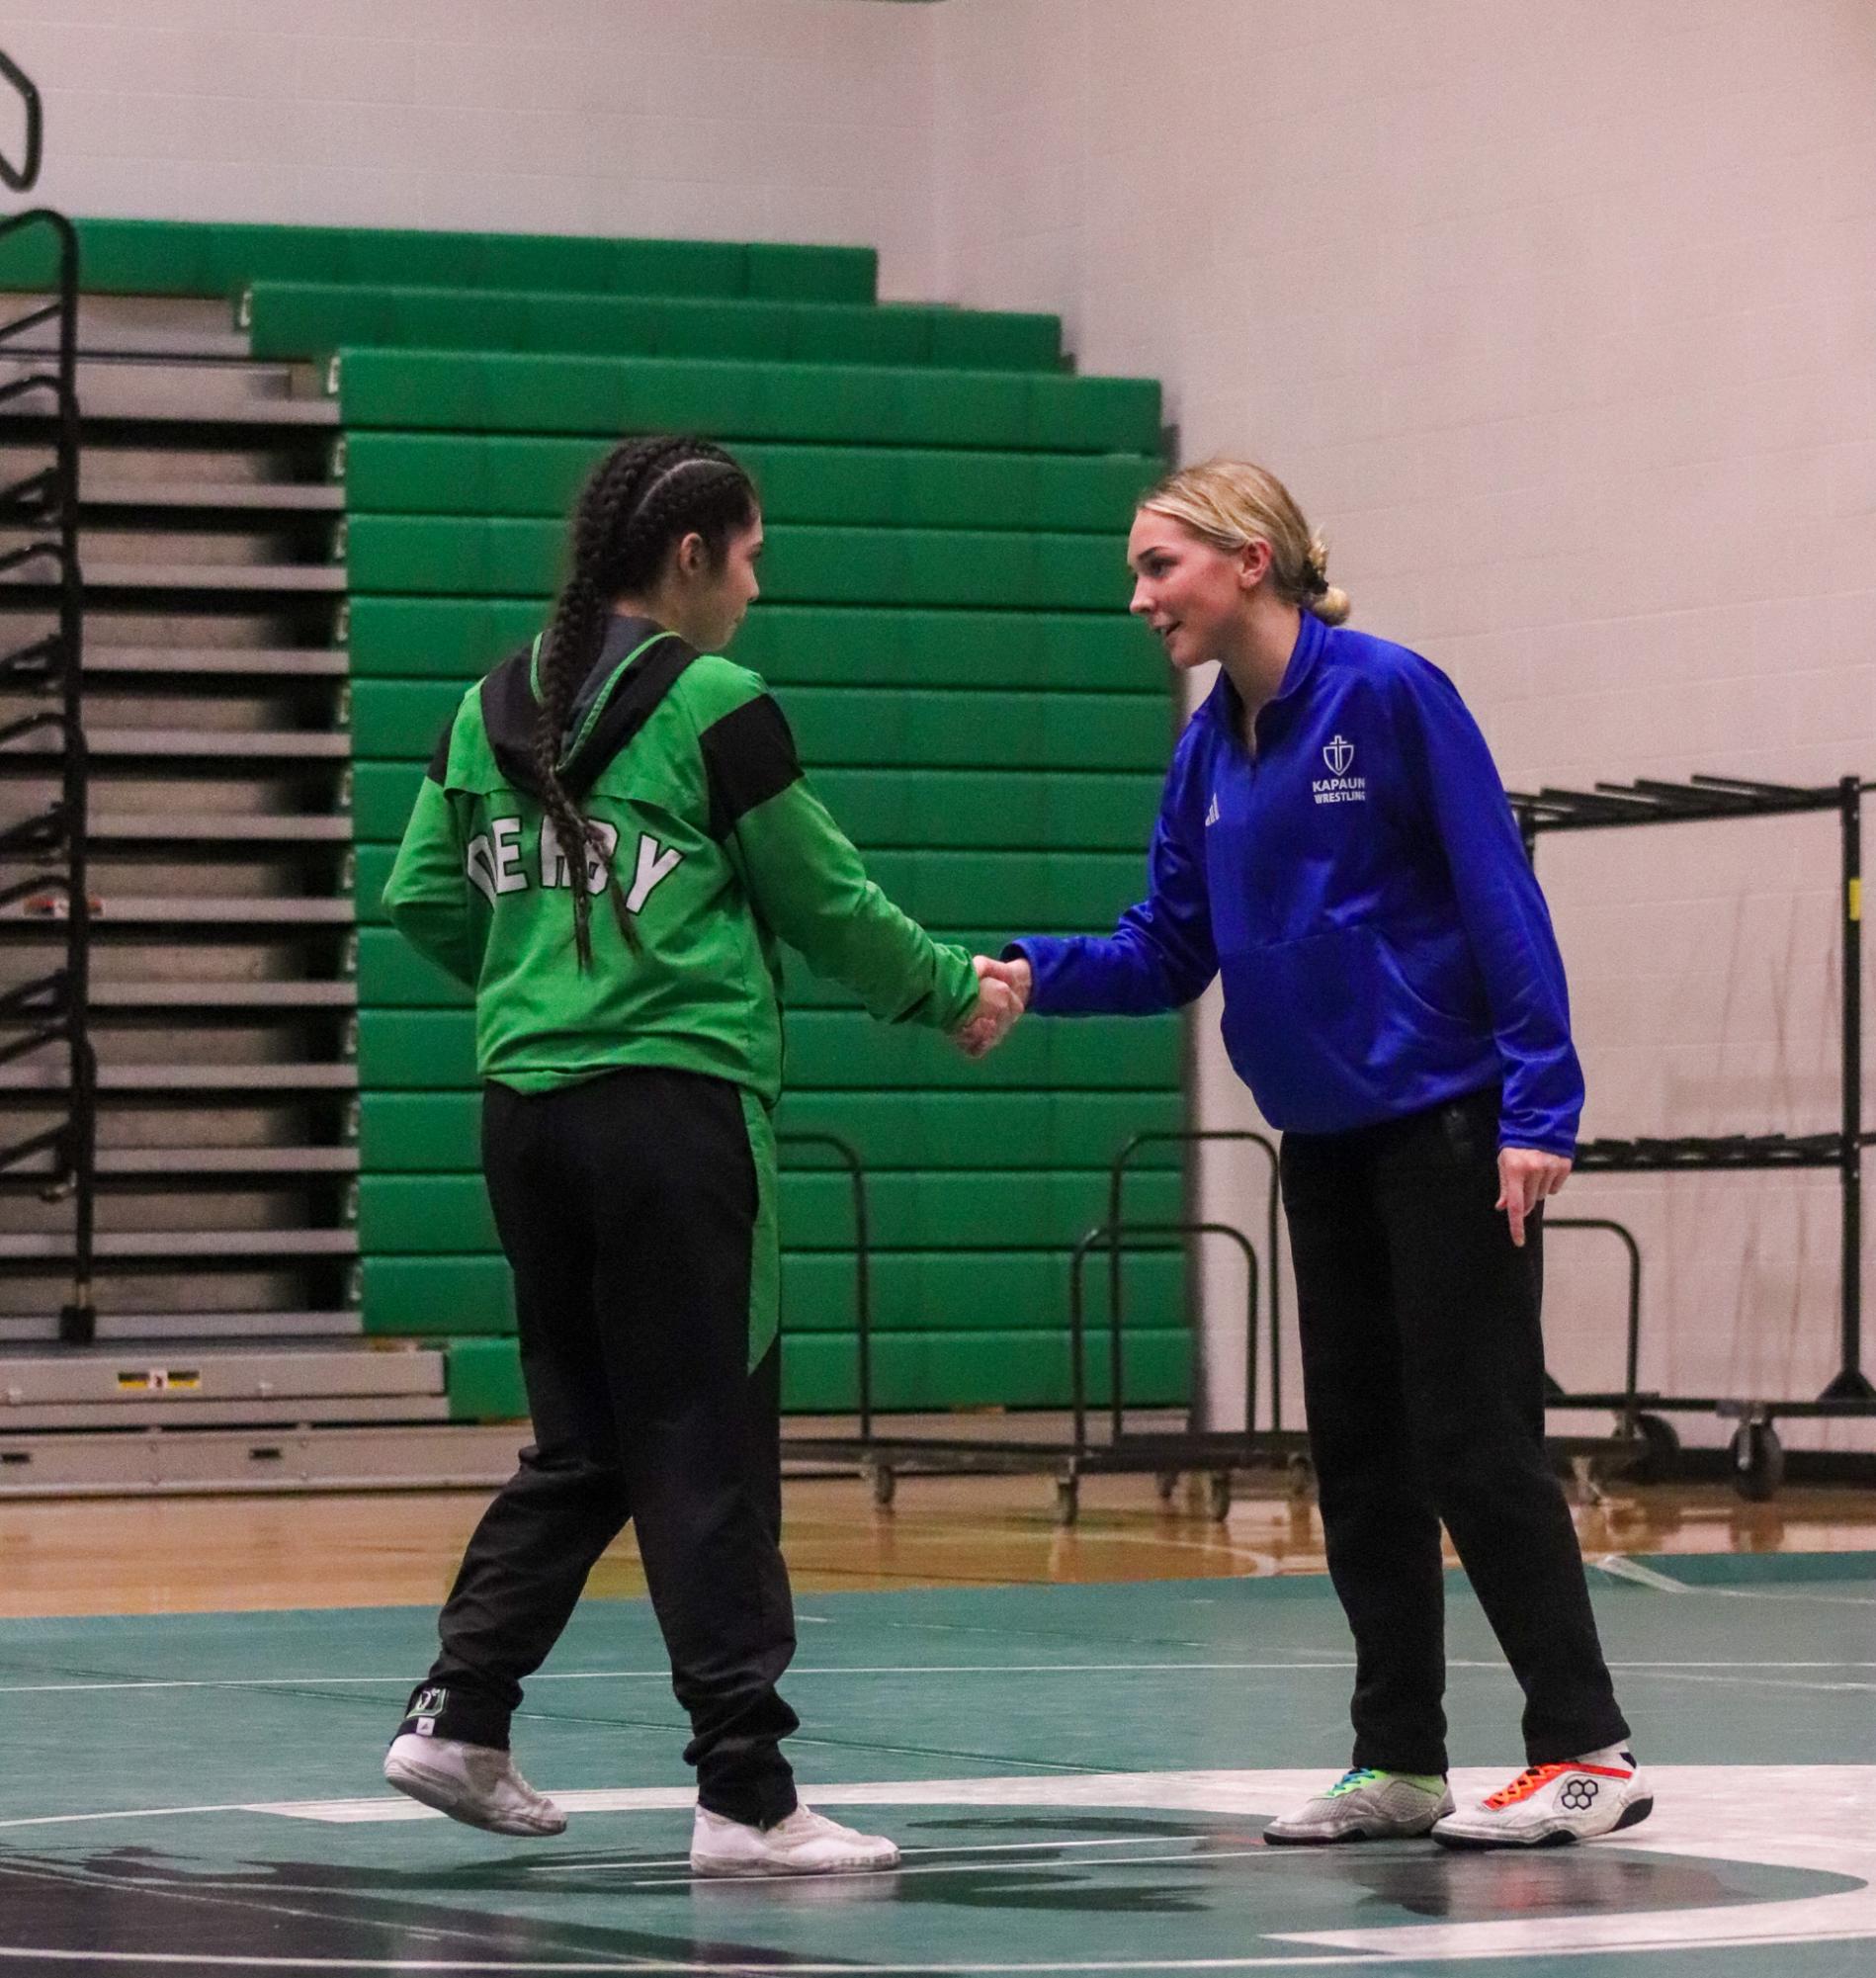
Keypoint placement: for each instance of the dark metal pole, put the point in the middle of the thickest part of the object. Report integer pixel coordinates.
(849, 1157)
(1632, 1356)
(1116, 1362)
(862, 1295)
(78, 1319)
(1188, 1137)
(1851, 1383)
(24, 176)
(1271, 1239)
(1077, 1333)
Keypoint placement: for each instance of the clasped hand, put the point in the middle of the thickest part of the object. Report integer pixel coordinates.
(1003, 996)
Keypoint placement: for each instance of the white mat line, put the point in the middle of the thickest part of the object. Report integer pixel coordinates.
(1159, 1861)
(965, 1847)
(406, 1681)
(1618, 1566)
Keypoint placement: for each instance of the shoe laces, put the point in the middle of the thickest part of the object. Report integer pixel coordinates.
(1352, 1780)
(1533, 1779)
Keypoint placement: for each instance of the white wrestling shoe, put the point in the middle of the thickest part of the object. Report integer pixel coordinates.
(472, 1783)
(805, 1843)
(1550, 1806)
(1364, 1805)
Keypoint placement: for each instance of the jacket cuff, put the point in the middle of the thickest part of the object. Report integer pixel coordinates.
(1547, 1140)
(1040, 951)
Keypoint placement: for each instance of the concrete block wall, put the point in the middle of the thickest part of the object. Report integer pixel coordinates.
(1558, 322)
(767, 120)
(1558, 319)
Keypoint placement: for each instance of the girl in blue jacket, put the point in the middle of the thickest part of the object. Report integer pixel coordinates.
(1335, 842)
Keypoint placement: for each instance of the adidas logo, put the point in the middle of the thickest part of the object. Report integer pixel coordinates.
(1211, 815)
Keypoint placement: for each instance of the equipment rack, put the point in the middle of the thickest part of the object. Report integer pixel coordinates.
(1757, 1457)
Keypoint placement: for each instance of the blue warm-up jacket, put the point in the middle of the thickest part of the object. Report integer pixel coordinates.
(1361, 885)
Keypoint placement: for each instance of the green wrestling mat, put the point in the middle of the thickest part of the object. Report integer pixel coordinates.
(1078, 1776)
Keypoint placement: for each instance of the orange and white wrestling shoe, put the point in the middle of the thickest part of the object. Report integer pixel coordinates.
(1550, 1806)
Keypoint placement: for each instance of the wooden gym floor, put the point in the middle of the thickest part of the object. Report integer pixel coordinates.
(179, 1554)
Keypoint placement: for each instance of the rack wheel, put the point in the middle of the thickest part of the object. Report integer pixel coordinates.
(1165, 1485)
(1302, 1476)
(884, 1479)
(1660, 1449)
(1759, 1461)
(1068, 1499)
(1218, 1496)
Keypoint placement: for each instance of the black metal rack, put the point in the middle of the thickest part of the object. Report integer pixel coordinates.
(48, 1011)
(1626, 1399)
(848, 1155)
(1116, 1217)
(1164, 1454)
(1169, 1453)
(1758, 1459)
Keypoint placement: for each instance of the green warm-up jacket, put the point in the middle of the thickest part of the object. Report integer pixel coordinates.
(687, 766)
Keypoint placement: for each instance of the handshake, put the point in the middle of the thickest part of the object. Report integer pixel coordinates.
(1003, 996)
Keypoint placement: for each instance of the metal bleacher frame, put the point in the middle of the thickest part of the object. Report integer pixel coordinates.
(1757, 1457)
(51, 1009)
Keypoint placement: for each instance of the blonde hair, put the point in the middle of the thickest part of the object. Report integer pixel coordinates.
(1229, 503)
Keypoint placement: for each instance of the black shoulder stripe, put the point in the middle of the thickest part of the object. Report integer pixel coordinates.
(749, 756)
(508, 711)
(439, 769)
(634, 700)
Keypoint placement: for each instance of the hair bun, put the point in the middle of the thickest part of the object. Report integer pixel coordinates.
(1331, 604)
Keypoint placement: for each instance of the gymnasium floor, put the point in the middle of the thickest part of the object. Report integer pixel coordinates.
(1079, 1772)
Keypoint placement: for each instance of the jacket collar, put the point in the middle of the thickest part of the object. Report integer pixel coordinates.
(1223, 704)
(643, 661)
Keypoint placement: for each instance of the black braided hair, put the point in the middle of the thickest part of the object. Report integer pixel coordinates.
(642, 500)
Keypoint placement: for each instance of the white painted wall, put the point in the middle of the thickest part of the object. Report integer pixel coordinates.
(763, 120)
(1559, 320)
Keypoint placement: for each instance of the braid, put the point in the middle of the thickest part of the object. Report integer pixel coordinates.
(569, 654)
(644, 495)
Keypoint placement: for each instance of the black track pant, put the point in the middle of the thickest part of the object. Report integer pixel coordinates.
(627, 1206)
(1422, 1371)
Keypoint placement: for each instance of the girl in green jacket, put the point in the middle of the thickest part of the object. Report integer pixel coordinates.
(613, 834)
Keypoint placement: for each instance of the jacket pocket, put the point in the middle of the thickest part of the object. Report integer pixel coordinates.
(1301, 1020)
(1330, 1033)
(1430, 980)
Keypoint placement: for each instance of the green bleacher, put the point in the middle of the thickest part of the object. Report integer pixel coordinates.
(457, 638)
(431, 1050)
(455, 474)
(157, 257)
(1075, 810)
(944, 623)
(453, 556)
(896, 405)
(292, 319)
(419, 1132)
(859, 727)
